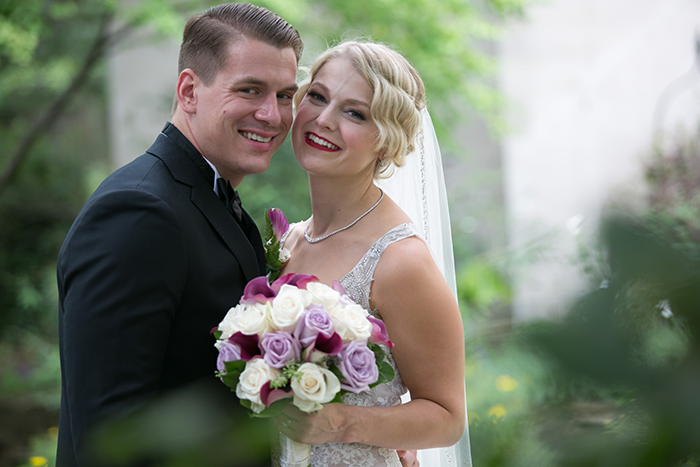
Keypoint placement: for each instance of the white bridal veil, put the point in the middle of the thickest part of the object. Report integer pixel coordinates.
(419, 189)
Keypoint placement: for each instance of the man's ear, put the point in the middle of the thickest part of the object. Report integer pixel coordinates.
(185, 91)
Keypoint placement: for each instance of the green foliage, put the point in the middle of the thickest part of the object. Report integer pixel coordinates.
(42, 449)
(673, 176)
(442, 38)
(481, 286)
(283, 186)
(639, 362)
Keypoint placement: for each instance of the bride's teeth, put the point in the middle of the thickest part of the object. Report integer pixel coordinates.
(322, 142)
(255, 137)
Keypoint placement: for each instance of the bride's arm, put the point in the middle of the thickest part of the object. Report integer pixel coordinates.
(423, 321)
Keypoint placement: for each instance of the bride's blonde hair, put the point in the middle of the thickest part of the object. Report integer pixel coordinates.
(398, 97)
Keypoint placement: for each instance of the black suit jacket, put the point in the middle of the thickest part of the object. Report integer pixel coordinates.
(151, 264)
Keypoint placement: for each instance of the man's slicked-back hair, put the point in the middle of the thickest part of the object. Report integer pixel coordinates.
(206, 36)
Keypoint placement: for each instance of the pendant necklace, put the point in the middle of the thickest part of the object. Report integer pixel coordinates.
(316, 240)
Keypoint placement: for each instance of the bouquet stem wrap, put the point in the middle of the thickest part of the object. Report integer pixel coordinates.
(293, 454)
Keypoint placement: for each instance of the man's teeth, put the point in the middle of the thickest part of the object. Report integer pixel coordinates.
(322, 142)
(255, 137)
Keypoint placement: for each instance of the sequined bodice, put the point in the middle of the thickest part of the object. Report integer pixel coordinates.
(357, 284)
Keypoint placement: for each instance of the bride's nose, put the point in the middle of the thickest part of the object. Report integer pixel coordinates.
(326, 119)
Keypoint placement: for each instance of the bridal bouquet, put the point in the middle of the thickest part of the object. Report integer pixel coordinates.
(298, 340)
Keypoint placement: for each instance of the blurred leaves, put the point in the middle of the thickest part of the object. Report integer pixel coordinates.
(446, 40)
(616, 340)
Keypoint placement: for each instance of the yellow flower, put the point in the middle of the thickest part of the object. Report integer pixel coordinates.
(53, 433)
(38, 461)
(497, 412)
(505, 383)
(472, 417)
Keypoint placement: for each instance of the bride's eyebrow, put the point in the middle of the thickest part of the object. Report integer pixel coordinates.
(357, 102)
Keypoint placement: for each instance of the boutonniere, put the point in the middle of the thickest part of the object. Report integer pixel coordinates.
(276, 226)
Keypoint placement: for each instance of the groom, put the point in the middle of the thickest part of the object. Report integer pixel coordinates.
(162, 249)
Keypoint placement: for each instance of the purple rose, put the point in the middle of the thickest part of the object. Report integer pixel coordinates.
(227, 353)
(279, 348)
(358, 366)
(313, 321)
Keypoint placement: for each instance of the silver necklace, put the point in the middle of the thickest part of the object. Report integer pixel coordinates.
(316, 240)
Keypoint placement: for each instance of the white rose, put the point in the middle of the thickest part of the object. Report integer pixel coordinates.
(252, 379)
(286, 308)
(351, 323)
(323, 295)
(317, 386)
(252, 319)
(228, 325)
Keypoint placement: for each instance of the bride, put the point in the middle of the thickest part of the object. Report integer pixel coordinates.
(360, 114)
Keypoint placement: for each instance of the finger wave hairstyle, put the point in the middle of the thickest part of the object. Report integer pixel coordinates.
(398, 97)
(207, 36)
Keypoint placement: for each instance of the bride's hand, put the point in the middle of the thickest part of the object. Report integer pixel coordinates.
(314, 428)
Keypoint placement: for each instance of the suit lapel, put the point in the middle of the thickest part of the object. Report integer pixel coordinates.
(182, 158)
(228, 229)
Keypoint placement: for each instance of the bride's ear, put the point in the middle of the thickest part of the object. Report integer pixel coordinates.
(185, 92)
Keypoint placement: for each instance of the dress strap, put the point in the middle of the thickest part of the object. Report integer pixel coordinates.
(358, 281)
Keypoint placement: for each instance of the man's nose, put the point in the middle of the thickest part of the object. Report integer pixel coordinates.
(269, 111)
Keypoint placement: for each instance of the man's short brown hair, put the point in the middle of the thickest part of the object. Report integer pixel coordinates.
(206, 36)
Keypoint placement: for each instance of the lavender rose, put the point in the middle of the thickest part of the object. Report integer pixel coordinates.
(313, 321)
(279, 348)
(358, 366)
(227, 353)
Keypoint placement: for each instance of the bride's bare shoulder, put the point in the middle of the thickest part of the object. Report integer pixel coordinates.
(407, 256)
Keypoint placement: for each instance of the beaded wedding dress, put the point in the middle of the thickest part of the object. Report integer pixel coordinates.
(357, 285)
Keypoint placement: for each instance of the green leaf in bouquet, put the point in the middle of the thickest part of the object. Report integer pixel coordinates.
(338, 399)
(217, 334)
(274, 410)
(386, 373)
(236, 366)
(230, 379)
(233, 372)
(336, 371)
(268, 231)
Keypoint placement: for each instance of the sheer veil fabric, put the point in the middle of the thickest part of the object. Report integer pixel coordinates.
(419, 189)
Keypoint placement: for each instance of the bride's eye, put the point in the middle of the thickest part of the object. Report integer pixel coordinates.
(316, 96)
(356, 115)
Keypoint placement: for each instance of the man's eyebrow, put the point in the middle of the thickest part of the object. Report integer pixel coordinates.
(253, 81)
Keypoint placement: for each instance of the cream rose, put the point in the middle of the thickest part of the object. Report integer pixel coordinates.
(252, 379)
(315, 387)
(323, 295)
(351, 323)
(251, 319)
(286, 308)
(228, 326)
